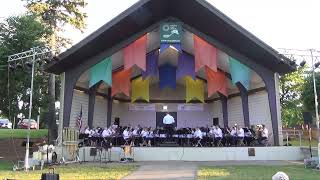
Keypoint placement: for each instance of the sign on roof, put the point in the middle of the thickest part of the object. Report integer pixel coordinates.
(170, 32)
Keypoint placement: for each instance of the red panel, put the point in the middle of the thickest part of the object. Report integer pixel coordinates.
(205, 54)
(121, 82)
(216, 81)
(135, 54)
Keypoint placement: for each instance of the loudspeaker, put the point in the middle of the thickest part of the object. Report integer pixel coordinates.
(93, 151)
(117, 121)
(307, 117)
(215, 121)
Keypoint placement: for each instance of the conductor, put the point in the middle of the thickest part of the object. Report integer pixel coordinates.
(168, 122)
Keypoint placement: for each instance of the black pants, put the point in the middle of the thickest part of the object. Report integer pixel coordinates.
(169, 131)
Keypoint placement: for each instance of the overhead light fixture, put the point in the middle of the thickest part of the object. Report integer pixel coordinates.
(165, 107)
(303, 63)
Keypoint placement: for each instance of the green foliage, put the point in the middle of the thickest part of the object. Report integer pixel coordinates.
(55, 14)
(291, 87)
(308, 92)
(17, 34)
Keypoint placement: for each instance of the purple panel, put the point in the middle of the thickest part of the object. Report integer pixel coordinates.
(167, 76)
(186, 66)
(152, 64)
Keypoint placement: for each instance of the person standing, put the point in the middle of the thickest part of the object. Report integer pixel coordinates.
(168, 122)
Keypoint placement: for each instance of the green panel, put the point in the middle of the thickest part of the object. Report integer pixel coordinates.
(101, 72)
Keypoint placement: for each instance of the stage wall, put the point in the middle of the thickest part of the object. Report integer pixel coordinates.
(258, 112)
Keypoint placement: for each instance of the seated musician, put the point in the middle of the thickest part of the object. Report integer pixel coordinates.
(263, 134)
(127, 134)
(217, 135)
(106, 132)
(87, 130)
(248, 137)
(197, 135)
(240, 134)
(144, 135)
(234, 136)
(135, 136)
(150, 136)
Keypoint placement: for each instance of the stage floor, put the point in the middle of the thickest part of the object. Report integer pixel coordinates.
(200, 153)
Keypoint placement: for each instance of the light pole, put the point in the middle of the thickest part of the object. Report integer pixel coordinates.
(316, 105)
(35, 54)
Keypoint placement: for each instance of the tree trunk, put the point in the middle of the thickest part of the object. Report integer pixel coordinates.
(52, 125)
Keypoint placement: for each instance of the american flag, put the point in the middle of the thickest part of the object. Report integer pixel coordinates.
(79, 120)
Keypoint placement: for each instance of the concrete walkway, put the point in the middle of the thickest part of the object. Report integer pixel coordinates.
(188, 170)
(165, 170)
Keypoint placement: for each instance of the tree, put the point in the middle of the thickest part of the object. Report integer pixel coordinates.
(308, 93)
(291, 87)
(17, 34)
(55, 14)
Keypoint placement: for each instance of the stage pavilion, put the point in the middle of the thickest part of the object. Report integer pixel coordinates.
(179, 56)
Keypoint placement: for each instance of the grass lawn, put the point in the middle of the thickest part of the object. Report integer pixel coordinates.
(295, 172)
(74, 171)
(22, 133)
(304, 142)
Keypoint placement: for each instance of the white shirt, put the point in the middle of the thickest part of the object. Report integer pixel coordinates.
(87, 131)
(265, 133)
(233, 132)
(106, 133)
(241, 133)
(144, 133)
(198, 134)
(217, 132)
(126, 134)
(168, 119)
(135, 132)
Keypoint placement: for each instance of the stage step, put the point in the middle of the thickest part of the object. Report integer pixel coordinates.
(169, 144)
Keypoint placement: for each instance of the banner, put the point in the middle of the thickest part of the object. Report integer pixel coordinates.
(152, 64)
(101, 72)
(170, 34)
(205, 54)
(135, 54)
(167, 76)
(190, 107)
(142, 107)
(140, 89)
(194, 89)
(186, 66)
(216, 82)
(239, 72)
(121, 82)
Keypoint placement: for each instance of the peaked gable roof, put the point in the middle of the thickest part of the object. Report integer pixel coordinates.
(197, 14)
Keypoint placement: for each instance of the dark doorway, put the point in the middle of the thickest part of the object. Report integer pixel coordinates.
(160, 115)
(215, 121)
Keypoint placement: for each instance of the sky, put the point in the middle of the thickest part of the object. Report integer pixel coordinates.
(281, 24)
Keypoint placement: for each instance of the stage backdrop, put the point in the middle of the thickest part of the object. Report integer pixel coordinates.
(160, 115)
